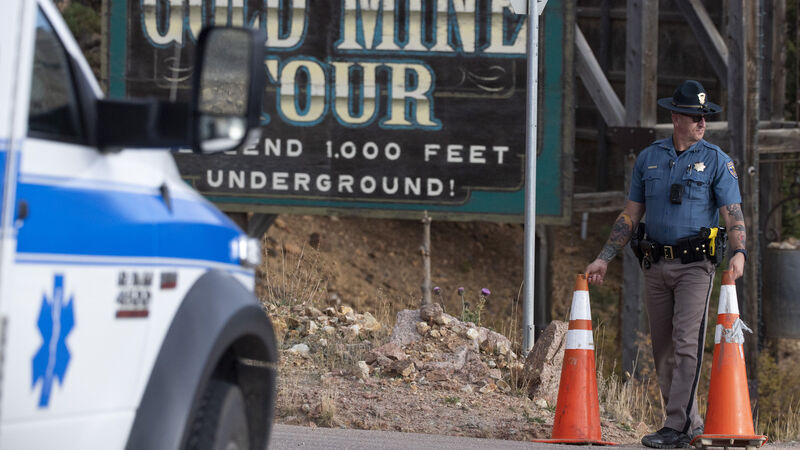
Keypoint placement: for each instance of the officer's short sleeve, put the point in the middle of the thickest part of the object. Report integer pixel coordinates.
(637, 189)
(726, 182)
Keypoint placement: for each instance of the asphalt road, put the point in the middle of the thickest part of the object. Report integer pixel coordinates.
(293, 437)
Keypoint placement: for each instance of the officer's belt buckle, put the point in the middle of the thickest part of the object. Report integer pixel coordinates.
(668, 252)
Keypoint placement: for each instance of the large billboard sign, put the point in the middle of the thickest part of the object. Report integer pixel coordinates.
(377, 107)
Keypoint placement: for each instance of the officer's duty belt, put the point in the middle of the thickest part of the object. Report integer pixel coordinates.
(683, 248)
(709, 243)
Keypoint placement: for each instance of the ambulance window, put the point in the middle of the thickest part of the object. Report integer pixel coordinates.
(54, 112)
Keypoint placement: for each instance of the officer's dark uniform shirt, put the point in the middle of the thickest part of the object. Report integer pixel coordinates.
(709, 181)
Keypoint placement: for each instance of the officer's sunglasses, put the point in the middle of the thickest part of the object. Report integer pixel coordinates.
(695, 118)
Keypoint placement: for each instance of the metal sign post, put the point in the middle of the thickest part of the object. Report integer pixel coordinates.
(530, 171)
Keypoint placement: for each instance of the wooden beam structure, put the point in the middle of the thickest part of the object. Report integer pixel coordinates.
(641, 86)
(632, 314)
(641, 63)
(742, 112)
(708, 37)
(778, 140)
(773, 137)
(603, 165)
(772, 90)
(596, 82)
(598, 202)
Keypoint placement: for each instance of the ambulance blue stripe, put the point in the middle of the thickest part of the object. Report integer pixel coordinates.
(58, 181)
(2, 169)
(84, 260)
(79, 221)
(3, 157)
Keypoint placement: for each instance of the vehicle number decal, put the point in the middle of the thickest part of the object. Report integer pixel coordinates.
(133, 300)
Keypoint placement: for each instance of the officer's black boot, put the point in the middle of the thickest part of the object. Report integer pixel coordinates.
(666, 438)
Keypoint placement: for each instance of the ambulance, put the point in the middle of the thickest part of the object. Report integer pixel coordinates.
(127, 310)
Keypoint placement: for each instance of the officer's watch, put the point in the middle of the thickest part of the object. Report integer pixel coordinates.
(742, 251)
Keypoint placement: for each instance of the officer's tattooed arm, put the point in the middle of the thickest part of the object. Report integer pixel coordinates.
(737, 236)
(622, 230)
(620, 235)
(734, 221)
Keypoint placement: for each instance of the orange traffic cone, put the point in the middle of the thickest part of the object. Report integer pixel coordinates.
(577, 419)
(729, 420)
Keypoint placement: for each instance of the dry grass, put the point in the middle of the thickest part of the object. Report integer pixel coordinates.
(781, 427)
(339, 353)
(778, 413)
(327, 410)
(293, 279)
(300, 280)
(628, 401)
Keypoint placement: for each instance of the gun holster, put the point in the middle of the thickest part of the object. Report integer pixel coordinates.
(718, 242)
(641, 247)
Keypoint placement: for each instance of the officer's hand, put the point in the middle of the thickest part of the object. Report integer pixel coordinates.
(736, 265)
(596, 271)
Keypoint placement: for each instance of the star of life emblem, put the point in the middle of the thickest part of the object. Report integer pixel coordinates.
(56, 321)
(699, 166)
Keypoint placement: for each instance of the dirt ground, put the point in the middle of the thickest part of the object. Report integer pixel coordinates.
(376, 266)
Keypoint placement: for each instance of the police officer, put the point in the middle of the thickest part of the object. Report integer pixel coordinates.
(684, 183)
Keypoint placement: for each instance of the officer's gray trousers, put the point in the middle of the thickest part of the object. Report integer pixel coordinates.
(677, 306)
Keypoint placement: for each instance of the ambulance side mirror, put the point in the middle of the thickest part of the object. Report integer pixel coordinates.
(228, 89)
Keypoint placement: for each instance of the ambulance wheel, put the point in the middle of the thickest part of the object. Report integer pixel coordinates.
(221, 421)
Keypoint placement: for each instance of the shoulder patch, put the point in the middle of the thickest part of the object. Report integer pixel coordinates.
(732, 170)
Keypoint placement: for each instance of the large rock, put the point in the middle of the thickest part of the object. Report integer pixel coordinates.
(279, 326)
(363, 370)
(369, 322)
(377, 359)
(300, 349)
(438, 375)
(494, 343)
(312, 311)
(404, 368)
(431, 313)
(405, 327)
(389, 350)
(542, 368)
(475, 369)
(452, 362)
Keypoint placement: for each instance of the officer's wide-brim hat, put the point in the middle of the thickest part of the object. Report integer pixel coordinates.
(690, 98)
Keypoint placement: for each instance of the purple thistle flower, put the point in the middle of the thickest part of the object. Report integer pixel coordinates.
(436, 290)
(461, 291)
(485, 292)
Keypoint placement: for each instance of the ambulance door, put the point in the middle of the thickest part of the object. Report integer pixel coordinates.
(84, 252)
(11, 129)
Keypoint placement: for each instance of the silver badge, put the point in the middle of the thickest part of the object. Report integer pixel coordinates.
(702, 98)
(699, 166)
